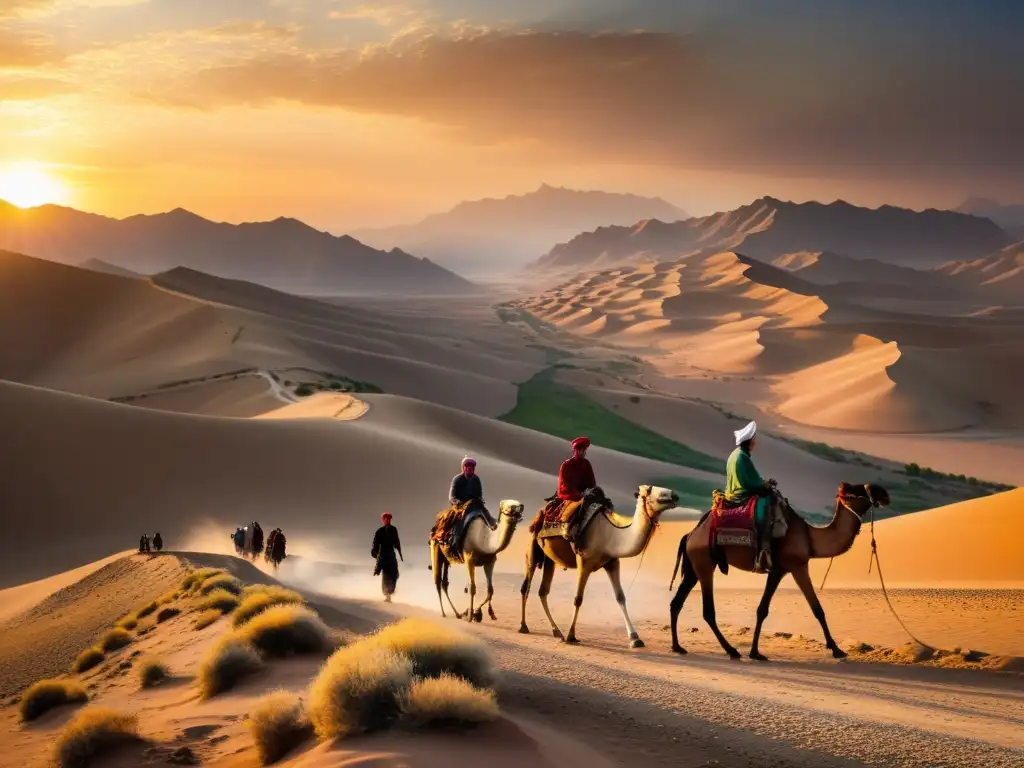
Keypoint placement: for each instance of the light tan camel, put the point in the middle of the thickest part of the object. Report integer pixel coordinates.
(790, 554)
(480, 547)
(608, 538)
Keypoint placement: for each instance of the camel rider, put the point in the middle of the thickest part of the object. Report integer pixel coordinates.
(576, 476)
(743, 481)
(466, 485)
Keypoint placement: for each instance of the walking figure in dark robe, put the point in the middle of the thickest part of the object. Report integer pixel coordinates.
(257, 540)
(158, 542)
(385, 545)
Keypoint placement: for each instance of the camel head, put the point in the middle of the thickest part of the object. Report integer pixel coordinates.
(655, 500)
(861, 499)
(511, 508)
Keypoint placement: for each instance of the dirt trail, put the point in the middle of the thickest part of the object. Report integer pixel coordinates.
(652, 708)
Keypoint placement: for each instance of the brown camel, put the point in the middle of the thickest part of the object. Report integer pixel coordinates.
(790, 554)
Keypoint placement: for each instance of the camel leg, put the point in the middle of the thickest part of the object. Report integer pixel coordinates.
(444, 585)
(545, 589)
(802, 577)
(435, 565)
(707, 591)
(774, 577)
(582, 576)
(685, 587)
(471, 614)
(531, 567)
(489, 575)
(612, 569)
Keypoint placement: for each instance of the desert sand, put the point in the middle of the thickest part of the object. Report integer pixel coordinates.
(173, 403)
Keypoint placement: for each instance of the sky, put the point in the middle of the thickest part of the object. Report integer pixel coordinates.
(348, 114)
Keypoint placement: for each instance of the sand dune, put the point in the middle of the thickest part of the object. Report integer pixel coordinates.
(109, 336)
(823, 356)
(325, 480)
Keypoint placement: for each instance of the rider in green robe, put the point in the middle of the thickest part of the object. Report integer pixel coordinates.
(743, 480)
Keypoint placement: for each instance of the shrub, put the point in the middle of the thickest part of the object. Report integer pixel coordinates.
(220, 600)
(221, 581)
(166, 613)
(145, 610)
(278, 725)
(226, 664)
(96, 730)
(128, 622)
(359, 689)
(435, 650)
(283, 630)
(88, 659)
(152, 672)
(115, 639)
(49, 694)
(258, 600)
(447, 701)
(170, 597)
(206, 618)
(195, 579)
(304, 390)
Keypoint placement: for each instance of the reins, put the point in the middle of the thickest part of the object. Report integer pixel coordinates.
(873, 559)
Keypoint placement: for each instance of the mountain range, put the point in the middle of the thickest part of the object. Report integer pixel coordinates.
(769, 228)
(1009, 217)
(284, 254)
(500, 235)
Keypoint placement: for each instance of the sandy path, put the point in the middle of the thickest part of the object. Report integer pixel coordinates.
(653, 708)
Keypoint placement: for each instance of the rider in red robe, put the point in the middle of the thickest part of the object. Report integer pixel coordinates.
(576, 475)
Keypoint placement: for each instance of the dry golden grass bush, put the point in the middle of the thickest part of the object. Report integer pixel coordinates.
(152, 672)
(359, 689)
(435, 650)
(45, 695)
(195, 579)
(147, 609)
(88, 659)
(94, 732)
(447, 702)
(219, 599)
(286, 630)
(206, 618)
(129, 622)
(167, 614)
(256, 600)
(278, 725)
(115, 639)
(227, 663)
(221, 581)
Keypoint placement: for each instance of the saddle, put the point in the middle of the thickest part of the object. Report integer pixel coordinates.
(568, 519)
(735, 525)
(451, 525)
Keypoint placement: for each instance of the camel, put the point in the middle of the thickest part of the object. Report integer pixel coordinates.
(790, 554)
(480, 547)
(608, 539)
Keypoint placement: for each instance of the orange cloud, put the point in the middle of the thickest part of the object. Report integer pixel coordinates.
(644, 97)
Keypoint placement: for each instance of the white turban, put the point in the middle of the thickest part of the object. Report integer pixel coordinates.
(747, 433)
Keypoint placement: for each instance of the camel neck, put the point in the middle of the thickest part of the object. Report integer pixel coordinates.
(632, 539)
(838, 536)
(498, 539)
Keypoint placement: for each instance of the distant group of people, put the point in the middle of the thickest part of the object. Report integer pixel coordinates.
(149, 545)
(249, 543)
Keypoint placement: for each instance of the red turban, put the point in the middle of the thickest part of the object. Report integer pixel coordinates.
(580, 443)
(385, 518)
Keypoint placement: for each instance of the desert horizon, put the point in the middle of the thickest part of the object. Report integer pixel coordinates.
(426, 383)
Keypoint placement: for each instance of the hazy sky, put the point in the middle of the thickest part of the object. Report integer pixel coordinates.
(364, 113)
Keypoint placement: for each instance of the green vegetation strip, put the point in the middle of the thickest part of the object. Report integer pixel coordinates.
(545, 405)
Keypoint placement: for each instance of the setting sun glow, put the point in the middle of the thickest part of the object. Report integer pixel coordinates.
(27, 185)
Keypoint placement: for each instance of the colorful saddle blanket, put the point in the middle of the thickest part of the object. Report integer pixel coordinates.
(566, 519)
(733, 525)
(451, 525)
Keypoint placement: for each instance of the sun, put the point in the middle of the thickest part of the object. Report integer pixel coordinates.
(27, 186)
